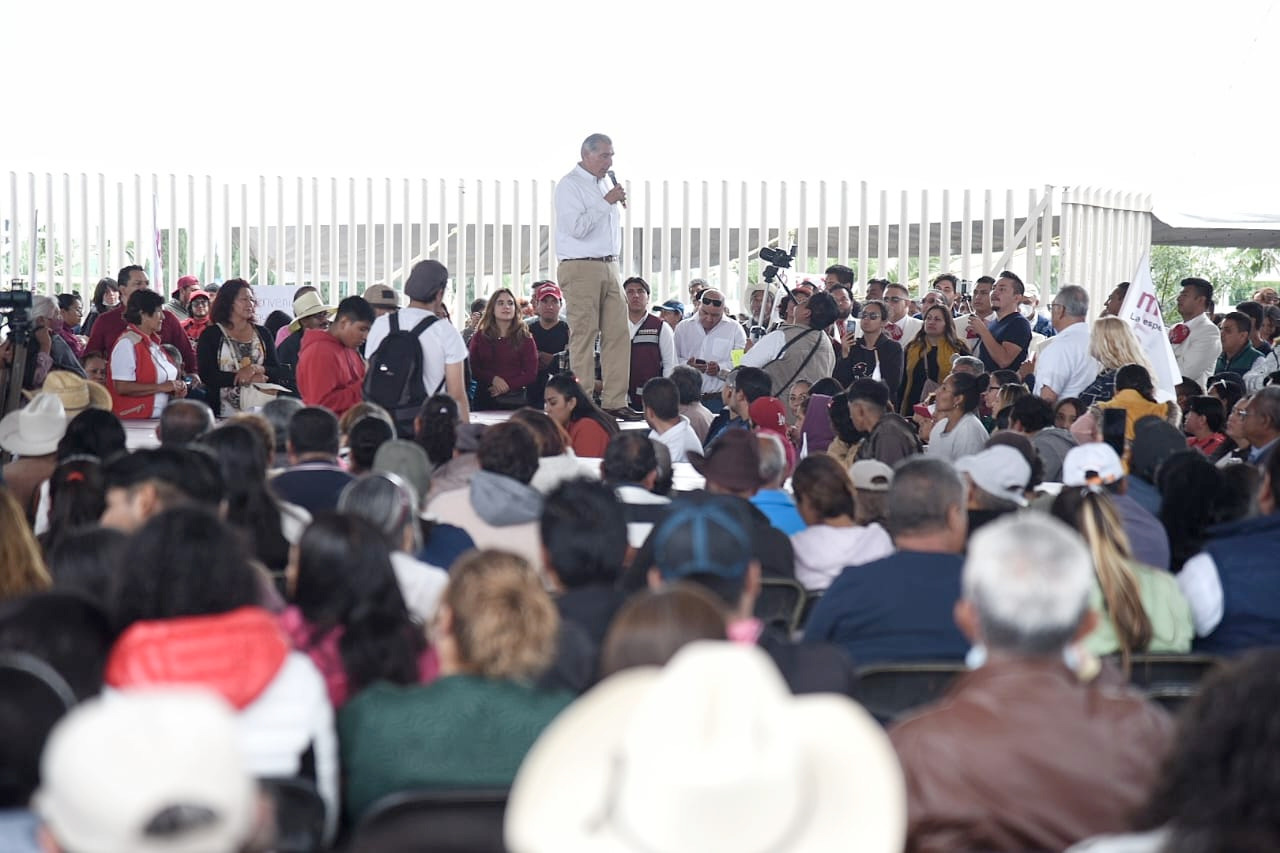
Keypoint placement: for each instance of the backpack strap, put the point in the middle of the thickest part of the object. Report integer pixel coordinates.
(817, 343)
(394, 322)
(425, 324)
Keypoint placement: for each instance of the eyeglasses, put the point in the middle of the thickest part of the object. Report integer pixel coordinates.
(867, 316)
(895, 299)
(714, 303)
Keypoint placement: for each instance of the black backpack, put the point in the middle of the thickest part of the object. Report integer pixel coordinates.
(393, 378)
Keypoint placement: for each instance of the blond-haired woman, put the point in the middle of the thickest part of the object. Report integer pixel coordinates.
(1113, 345)
(22, 568)
(1140, 609)
(504, 358)
(495, 632)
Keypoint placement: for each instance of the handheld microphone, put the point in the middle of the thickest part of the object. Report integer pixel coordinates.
(614, 179)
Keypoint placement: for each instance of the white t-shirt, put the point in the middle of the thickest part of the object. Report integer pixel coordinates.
(1065, 364)
(681, 440)
(442, 344)
(124, 367)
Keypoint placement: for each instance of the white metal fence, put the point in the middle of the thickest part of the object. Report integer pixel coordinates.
(63, 232)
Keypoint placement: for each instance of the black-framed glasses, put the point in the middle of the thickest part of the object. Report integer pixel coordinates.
(714, 303)
(895, 299)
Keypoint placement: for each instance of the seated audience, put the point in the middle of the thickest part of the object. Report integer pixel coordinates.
(655, 624)
(1065, 412)
(438, 544)
(1217, 790)
(504, 357)
(583, 532)
(706, 539)
(184, 421)
(250, 507)
(186, 603)
(347, 613)
(661, 400)
(689, 385)
(366, 436)
(557, 462)
(871, 483)
(314, 479)
(630, 468)
(1139, 609)
(1230, 585)
(768, 417)
(389, 503)
(472, 726)
(124, 772)
(1097, 464)
(889, 438)
(898, 608)
(1135, 395)
(83, 560)
(145, 483)
(710, 752)
(832, 542)
(77, 497)
(140, 377)
(998, 479)
(499, 509)
(588, 426)
(32, 434)
(956, 428)
(1033, 417)
(1037, 755)
(771, 498)
(1203, 424)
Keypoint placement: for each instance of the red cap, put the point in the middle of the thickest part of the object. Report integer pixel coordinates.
(768, 414)
(547, 288)
(185, 281)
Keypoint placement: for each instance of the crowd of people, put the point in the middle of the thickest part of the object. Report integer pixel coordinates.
(327, 571)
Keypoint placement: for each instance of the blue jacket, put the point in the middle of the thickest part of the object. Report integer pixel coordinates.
(898, 608)
(1244, 553)
(780, 509)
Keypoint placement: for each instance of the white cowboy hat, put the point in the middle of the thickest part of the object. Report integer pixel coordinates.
(35, 429)
(307, 305)
(75, 392)
(710, 753)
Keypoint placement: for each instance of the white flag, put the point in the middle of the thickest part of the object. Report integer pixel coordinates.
(1142, 309)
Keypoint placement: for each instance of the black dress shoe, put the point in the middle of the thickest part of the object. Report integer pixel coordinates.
(625, 413)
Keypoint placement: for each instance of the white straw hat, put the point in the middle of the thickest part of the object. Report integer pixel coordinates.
(35, 429)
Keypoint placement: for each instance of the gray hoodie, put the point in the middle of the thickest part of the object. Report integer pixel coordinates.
(502, 501)
(1052, 445)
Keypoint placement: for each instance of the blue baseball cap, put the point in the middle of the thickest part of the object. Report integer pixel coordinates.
(703, 535)
(671, 305)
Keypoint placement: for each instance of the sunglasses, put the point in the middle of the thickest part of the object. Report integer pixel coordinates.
(714, 303)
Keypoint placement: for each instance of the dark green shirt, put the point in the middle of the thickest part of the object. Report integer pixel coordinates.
(1240, 364)
(460, 731)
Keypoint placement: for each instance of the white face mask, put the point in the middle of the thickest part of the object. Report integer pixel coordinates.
(1027, 310)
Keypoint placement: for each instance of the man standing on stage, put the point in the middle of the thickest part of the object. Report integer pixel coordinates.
(588, 240)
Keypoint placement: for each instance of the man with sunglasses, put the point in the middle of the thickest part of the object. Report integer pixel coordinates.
(588, 241)
(901, 327)
(706, 342)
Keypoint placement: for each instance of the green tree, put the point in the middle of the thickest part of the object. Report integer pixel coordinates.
(1233, 272)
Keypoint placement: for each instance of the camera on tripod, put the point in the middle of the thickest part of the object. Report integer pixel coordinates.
(777, 257)
(15, 305)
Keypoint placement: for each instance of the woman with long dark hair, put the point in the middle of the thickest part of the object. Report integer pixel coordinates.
(504, 358)
(347, 611)
(235, 352)
(1135, 394)
(77, 497)
(435, 429)
(589, 428)
(251, 508)
(872, 353)
(928, 357)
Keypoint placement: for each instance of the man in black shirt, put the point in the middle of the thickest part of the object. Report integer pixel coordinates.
(550, 335)
(1003, 345)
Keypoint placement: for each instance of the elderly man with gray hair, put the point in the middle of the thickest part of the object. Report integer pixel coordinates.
(1032, 750)
(49, 350)
(1064, 367)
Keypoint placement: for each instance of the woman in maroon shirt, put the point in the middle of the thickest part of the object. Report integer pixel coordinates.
(504, 358)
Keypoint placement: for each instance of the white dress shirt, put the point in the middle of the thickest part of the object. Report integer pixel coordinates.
(693, 341)
(666, 343)
(1065, 364)
(587, 226)
(1198, 354)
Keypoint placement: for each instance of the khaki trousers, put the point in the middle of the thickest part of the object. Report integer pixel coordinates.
(596, 305)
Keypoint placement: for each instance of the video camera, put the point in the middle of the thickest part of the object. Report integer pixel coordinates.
(777, 257)
(15, 305)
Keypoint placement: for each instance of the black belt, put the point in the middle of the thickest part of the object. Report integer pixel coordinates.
(607, 259)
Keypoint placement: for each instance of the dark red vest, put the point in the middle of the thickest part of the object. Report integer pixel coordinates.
(646, 357)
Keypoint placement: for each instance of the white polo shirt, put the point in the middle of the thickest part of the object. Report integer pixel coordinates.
(1065, 364)
(693, 341)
